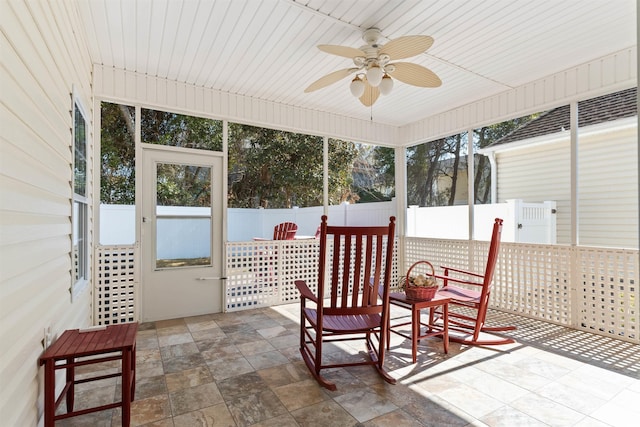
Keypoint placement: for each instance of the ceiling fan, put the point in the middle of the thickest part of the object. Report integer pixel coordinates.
(373, 67)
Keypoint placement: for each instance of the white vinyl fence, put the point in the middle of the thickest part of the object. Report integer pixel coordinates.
(245, 224)
(523, 222)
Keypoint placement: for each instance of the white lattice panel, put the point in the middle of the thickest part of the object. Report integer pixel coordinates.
(594, 289)
(116, 288)
(453, 253)
(262, 273)
(534, 280)
(608, 292)
(300, 263)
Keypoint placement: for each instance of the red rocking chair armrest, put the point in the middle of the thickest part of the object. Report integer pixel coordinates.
(305, 292)
(457, 270)
(457, 280)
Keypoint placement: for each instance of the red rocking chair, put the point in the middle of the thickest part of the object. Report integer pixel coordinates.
(473, 298)
(282, 231)
(354, 264)
(285, 231)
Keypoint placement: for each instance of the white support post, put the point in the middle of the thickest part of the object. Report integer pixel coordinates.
(573, 120)
(470, 196)
(325, 175)
(470, 182)
(225, 228)
(400, 164)
(574, 172)
(137, 138)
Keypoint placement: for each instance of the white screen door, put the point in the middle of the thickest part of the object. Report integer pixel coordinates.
(181, 236)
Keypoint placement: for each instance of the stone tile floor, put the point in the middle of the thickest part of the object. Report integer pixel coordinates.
(244, 368)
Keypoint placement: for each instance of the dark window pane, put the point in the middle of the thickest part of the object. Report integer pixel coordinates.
(80, 154)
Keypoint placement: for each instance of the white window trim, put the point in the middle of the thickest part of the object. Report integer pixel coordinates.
(79, 286)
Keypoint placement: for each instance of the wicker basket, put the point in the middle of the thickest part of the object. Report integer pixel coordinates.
(424, 292)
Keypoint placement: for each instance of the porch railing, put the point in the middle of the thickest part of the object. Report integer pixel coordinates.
(592, 289)
(586, 288)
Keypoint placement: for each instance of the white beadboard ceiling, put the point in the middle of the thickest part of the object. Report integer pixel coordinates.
(267, 49)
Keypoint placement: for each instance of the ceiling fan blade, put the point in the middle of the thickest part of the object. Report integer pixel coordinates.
(347, 52)
(329, 79)
(415, 75)
(407, 46)
(370, 95)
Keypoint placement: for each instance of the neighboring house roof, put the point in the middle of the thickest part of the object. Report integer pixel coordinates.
(592, 111)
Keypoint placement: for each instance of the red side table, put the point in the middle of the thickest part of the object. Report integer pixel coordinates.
(401, 300)
(116, 342)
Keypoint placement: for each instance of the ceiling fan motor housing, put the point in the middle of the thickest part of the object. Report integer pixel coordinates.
(371, 37)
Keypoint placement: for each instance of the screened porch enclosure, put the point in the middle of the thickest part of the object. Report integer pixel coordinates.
(580, 286)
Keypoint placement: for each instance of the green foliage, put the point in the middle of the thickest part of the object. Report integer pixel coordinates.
(342, 155)
(278, 169)
(267, 167)
(178, 130)
(180, 185)
(117, 152)
(384, 161)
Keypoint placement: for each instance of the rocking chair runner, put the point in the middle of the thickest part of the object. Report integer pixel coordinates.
(473, 298)
(352, 268)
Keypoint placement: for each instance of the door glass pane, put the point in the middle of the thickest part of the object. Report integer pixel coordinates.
(183, 216)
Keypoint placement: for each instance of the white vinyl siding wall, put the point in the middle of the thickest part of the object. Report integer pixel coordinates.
(43, 57)
(537, 174)
(608, 189)
(607, 183)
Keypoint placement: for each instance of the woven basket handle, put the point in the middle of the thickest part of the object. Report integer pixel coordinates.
(433, 271)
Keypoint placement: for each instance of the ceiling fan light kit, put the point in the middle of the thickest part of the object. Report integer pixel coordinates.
(386, 84)
(374, 75)
(357, 87)
(373, 68)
